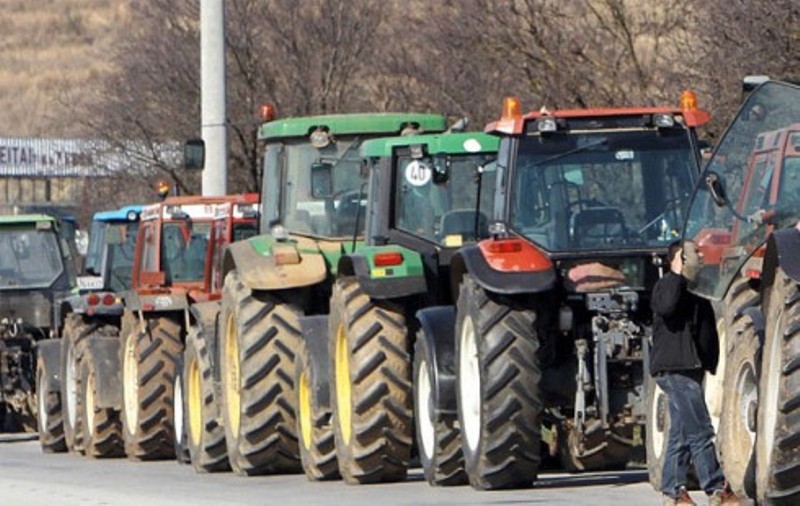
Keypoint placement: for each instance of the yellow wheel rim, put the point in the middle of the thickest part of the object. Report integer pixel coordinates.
(304, 399)
(343, 394)
(232, 376)
(195, 403)
(88, 400)
(130, 383)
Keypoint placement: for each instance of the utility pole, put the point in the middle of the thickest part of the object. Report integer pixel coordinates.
(213, 93)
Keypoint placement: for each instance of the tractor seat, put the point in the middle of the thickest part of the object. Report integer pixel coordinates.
(597, 226)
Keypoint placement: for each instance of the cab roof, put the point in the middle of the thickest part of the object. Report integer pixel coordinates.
(120, 214)
(461, 143)
(18, 219)
(350, 124)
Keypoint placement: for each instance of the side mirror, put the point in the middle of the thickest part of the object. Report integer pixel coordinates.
(194, 154)
(321, 180)
(441, 168)
(716, 188)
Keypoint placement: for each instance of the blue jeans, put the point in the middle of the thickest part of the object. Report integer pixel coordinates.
(690, 435)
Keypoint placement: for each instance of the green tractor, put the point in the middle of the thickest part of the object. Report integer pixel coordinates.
(36, 276)
(423, 195)
(313, 212)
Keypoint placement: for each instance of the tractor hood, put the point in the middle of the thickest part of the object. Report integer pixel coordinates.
(749, 188)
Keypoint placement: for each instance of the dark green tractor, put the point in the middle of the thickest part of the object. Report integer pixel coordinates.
(36, 275)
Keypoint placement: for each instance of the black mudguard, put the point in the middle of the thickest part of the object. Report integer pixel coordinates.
(515, 282)
(315, 333)
(783, 249)
(437, 327)
(108, 370)
(49, 352)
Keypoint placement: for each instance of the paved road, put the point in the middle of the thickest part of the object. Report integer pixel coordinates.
(30, 478)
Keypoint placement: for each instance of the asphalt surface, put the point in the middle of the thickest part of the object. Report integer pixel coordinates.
(30, 478)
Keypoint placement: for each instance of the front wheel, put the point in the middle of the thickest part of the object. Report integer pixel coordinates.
(777, 456)
(499, 401)
(657, 431)
(101, 427)
(205, 433)
(438, 436)
(50, 420)
(317, 448)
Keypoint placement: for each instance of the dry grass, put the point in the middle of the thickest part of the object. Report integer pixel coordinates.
(46, 48)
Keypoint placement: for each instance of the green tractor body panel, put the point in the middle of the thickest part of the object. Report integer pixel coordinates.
(451, 144)
(26, 219)
(350, 124)
(410, 262)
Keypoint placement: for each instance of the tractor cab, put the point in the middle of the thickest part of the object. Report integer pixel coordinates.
(109, 258)
(314, 178)
(609, 184)
(751, 187)
(177, 237)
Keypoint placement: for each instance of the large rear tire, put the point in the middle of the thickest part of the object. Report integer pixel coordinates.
(149, 363)
(205, 433)
(777, 455)
(76, 330)
(50, 417)
(371, 378)
(438, 436)
(101, 427)
(740, 362)
(317, 446)
(258, 339)
(499, 400)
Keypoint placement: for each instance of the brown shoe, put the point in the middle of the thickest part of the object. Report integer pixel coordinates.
(722, 497)
(683, 499)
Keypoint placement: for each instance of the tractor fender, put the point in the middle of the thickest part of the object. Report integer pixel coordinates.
(259, 270)
(437, 331)
(315, 334)
(783, 249)
(49, 352)
(526, 271)
(382, 283)
(107, 370)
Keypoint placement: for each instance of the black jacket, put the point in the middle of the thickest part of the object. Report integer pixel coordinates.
(684, 332)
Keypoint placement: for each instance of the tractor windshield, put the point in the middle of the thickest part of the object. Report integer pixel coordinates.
(443, 211)
(602, 190)
(183, 250)
(29, 258)
(323, 189)
(756, 170)
(121, 239)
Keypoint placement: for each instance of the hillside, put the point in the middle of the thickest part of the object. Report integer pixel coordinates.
(47, 46)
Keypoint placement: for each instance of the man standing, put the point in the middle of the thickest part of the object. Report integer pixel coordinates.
(684, 345)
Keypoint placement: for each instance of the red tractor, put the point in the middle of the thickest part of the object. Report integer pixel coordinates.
(744, 222)
(553, 317)
(175, 293)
